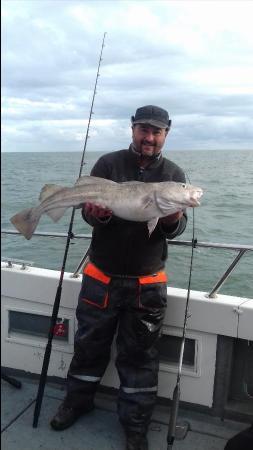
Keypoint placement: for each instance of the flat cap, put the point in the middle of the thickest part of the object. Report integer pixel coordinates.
(152, 115)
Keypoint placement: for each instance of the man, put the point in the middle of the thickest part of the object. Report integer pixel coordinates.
(124, 286)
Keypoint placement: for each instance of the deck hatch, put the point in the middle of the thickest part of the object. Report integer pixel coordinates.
(169, 350)
(36, 325)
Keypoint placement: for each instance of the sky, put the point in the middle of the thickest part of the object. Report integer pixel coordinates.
(193, 58)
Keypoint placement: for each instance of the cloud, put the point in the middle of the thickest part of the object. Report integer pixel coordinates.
(190, 57)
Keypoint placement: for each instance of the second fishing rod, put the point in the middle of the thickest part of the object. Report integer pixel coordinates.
(57, 300)
(171, 435)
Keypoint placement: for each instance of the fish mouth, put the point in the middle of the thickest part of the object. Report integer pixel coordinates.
(195, 203)
(195, 197)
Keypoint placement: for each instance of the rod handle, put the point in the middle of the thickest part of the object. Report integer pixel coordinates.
(173, 416)
(42, 383)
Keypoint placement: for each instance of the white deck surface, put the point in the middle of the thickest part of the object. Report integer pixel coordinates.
(100, 430)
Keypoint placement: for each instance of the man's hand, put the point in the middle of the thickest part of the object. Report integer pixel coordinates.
(97, 211)
(173, 218)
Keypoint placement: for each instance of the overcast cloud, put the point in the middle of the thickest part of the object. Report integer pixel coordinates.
(194, 58)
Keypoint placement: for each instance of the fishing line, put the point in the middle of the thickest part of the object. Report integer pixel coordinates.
(48, 349)
(176, 393)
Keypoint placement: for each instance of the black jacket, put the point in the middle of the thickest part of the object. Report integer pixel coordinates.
(124, 247)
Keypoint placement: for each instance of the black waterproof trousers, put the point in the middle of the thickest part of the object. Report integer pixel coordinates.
(136, 311)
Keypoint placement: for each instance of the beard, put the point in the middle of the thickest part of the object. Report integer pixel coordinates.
(147, 150)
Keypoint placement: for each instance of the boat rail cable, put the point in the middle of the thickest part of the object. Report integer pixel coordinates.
(56, 305)
(242, 249)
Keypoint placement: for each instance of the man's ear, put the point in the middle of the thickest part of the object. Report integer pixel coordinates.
(168, 128)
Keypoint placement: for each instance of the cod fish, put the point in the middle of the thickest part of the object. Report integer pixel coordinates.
(130, 200)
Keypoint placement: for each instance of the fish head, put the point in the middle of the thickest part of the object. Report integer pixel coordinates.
(172, 196)
(193, 194)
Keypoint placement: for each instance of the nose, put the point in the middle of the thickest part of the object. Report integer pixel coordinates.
(149, 136)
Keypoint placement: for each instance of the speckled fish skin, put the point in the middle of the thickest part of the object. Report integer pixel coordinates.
(130, 200)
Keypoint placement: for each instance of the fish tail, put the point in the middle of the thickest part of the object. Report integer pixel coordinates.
(26, 221)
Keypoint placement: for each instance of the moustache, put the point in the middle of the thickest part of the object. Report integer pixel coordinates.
(148, 144)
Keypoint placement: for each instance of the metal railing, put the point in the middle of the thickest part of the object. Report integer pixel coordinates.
(240, 249)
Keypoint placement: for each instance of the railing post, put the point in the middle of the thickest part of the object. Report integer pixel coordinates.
(214, 291)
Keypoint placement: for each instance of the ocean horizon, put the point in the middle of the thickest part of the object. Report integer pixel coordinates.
(168, 150)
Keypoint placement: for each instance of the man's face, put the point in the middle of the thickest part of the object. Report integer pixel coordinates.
(148, 140)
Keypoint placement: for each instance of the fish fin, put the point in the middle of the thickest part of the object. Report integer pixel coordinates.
(48, 190)
(26, 221)
(147, 201)
(56, 213)
(87, 179)
(152, 224)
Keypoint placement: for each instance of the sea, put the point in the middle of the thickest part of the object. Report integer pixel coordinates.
(225, 215)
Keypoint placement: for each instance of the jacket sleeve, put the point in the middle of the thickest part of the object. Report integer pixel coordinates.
(171, 231)
(101, 170)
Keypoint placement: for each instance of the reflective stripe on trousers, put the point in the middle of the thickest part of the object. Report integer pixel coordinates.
(87, 378)
(137, 309)
(129, 390)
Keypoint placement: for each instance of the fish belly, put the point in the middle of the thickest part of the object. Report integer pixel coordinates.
(135, 209)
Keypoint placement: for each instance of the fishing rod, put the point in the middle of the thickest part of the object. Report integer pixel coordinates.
(51, 332)
(176, 393)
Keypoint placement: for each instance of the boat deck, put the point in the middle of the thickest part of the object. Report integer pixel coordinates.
(99, 430)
